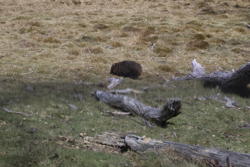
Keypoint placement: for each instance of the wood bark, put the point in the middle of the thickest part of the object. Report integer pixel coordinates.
(159, 116)
(209, 156)
(114, 142)
(237, 82)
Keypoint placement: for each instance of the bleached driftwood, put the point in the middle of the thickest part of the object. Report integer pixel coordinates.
(113, 142)
(197, 72)
(209, 156)
(158, 116)
(113, 82)
(228, 81)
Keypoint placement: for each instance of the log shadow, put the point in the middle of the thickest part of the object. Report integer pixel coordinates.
(242, 90)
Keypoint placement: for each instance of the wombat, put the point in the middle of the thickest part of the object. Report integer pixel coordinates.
(126, 68)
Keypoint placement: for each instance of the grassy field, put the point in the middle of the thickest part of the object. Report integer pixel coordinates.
(55, 53)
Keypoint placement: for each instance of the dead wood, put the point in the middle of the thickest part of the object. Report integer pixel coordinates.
(106, 142)
(228, 81)
(159, 116)
(117, 113)
(14, 112)
(228, 102)
(126, 91)
(113, 142)
(113, 82)
(210, 156)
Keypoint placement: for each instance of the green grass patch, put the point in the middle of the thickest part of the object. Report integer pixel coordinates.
(62, 108)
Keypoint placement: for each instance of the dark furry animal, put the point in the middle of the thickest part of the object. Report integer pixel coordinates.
(126, 68)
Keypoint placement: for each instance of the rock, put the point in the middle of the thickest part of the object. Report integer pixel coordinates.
(126, 68)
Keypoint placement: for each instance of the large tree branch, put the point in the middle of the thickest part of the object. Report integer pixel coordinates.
(158, 116)
(229, 81)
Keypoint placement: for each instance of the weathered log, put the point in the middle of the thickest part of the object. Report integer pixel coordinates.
(239, 82)
(159, 116)
(209, 156)
(228, 81)
(114, 142)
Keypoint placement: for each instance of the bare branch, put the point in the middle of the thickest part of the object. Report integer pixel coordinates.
(229, 81)
(13, 112)
(128, 104)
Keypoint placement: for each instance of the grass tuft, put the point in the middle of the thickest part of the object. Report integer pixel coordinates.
(51, 40)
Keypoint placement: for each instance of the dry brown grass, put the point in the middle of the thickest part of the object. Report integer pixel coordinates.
(50, 39)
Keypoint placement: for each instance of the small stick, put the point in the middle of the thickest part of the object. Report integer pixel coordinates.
(13, 112)
(117, 113)
(126, 91)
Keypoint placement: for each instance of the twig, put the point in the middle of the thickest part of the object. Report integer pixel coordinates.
(13, 112)
(126, 91)
(117, 113)
(230, 103)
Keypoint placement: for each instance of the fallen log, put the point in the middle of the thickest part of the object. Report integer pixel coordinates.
(159, 116)
(115, 142)
(209, 156)
(237, 82)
